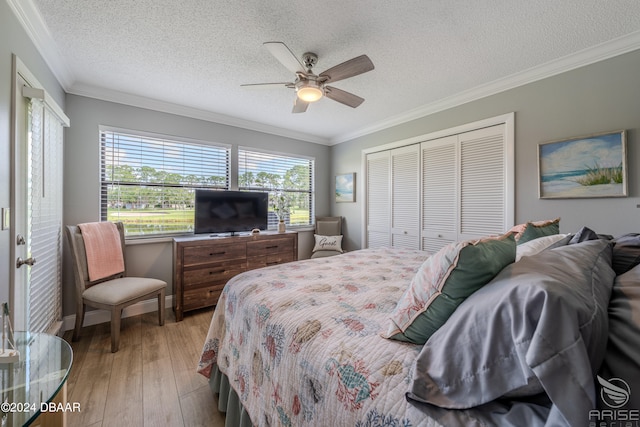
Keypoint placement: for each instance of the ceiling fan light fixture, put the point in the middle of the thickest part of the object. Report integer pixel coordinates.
(309, 91)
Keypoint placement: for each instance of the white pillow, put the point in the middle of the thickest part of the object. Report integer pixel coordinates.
(328, 243)
(535, 246)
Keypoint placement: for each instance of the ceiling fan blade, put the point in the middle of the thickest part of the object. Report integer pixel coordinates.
(267, 85)
(353, 67)
(299, 106)
(343, 97)
(285, 56)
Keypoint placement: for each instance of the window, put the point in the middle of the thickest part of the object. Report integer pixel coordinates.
(279, 174)
(148, 182)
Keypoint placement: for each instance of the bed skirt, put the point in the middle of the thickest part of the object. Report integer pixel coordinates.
(228, 400)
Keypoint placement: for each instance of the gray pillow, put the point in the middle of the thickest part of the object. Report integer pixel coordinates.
(622, 359)
(626, 252)
(540, 320)
(585, 233)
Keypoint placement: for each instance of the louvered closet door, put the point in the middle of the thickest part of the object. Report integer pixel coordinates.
(482, 182)
(378, 199)
(440, 193)
(405, 194)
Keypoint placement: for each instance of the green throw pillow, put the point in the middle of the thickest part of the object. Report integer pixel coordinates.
(444, 281)
(533, 230)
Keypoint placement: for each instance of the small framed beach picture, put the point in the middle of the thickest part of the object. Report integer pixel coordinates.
(346, 187)
(583, 167)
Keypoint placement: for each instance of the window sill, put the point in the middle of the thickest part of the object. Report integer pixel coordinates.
(144, 240)
(131, 241)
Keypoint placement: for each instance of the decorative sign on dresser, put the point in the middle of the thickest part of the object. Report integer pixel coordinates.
(203, 264)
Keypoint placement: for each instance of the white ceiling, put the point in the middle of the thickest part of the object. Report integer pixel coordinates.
(191, 56)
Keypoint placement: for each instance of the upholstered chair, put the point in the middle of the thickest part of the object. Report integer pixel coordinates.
(328, 237)
(112, 293)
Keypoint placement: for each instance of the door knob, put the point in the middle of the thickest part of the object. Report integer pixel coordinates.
(29, 261)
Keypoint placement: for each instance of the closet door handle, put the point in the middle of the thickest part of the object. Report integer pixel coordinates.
(29, 261)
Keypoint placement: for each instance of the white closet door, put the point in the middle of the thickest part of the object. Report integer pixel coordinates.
(452, 188)
(378, 199)
(482, 182)
(405, 204)
(439, 193)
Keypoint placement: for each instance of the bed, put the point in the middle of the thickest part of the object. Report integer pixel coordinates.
(322, 342)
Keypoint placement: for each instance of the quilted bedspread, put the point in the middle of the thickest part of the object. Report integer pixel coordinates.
(301, 345)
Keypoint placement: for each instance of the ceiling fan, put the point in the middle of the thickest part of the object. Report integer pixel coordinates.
(312, 87)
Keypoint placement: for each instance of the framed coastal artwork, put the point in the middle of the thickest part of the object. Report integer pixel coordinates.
(583, 167)
(346, 187)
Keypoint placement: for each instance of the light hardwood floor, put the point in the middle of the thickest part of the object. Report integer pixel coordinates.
(150, 381)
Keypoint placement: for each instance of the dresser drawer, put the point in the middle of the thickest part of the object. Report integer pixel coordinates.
(216, 273)
(261, 247)
(268, 260)
(194, 255)
(203, 297)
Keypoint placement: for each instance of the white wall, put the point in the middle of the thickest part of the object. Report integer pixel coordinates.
(597, 98)
(82, 179)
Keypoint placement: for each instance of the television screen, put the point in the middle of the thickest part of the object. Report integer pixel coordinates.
(230, 211)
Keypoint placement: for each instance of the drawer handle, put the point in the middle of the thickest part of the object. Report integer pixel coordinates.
(273, 263)
(217, 253)
(217, 271)
(272, 247)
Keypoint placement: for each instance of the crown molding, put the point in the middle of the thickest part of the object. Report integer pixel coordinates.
(606, 50)
(194, 113)
(29, 17)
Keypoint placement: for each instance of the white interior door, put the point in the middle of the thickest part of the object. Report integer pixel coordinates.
(19, 225)
(440, 210)
(483, 183)
(378, 196)
(36, 206)
(405, 197)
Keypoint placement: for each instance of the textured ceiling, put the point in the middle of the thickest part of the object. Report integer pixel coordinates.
(193, 55)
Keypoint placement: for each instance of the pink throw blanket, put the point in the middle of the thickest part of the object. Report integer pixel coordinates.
(103, 248)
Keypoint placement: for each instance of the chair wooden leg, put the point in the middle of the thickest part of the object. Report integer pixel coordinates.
(79, 320)
(161, 307)
(116, 314)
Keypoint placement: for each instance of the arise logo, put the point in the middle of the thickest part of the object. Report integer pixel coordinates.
(615, 393)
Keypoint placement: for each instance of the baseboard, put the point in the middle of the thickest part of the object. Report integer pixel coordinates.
(95, 317)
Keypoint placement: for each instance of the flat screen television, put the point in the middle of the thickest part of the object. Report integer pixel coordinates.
(218, 212)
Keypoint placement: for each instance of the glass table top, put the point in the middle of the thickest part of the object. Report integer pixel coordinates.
(30, 383)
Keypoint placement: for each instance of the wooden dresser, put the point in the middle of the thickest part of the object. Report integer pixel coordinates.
(204, 264)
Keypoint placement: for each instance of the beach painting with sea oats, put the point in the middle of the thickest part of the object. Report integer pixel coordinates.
(583, 167)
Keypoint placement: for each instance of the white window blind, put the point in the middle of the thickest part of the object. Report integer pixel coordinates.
(148, 182)
(45, 219)
(275, 173)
